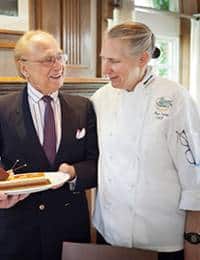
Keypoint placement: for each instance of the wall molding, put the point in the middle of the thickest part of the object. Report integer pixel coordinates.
(74, 86)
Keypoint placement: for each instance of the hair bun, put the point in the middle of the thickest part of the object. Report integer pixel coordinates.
(156, 53)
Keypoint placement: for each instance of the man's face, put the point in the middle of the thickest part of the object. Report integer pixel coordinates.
(43, 65)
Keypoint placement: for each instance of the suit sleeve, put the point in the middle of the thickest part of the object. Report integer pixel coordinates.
(87, 170)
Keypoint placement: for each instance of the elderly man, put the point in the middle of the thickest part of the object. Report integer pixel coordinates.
(47, 131)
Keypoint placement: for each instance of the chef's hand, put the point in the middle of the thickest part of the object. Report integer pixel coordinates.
(66, 168)
(8, 201)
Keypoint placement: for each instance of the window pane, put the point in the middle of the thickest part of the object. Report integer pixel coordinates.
(146, 3)
(161, 4)
(163, 61)
(167, 64)
(166, 5)
(9, 7)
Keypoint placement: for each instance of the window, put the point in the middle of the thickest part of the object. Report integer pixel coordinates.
(9, 7)
(165, 5)
(167, 30)
(167, 64)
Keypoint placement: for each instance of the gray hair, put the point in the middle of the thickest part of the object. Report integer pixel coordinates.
(139, 37)
(23, 45)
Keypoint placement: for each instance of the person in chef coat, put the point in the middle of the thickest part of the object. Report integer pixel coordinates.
(149, 139)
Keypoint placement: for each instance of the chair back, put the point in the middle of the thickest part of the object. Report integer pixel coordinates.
(79, 251)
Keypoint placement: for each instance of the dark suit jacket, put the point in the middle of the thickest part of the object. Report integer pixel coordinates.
(27, 230)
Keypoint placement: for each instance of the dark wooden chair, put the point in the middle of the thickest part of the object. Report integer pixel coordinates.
(77, 251)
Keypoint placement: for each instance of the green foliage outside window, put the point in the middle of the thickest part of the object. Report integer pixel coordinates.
(163, 61)
(161, 4)
(166, 65)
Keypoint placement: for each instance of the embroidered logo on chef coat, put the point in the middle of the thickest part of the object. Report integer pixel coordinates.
(163, 105)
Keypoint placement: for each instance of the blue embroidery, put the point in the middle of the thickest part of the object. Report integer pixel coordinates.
(163, 105)
(189, 155)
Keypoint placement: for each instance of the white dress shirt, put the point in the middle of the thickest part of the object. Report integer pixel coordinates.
(146, 176)
(37, 108)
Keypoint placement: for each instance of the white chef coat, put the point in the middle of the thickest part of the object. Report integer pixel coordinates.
(146, 177)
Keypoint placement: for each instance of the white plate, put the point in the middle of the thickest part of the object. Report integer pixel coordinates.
(56, 178)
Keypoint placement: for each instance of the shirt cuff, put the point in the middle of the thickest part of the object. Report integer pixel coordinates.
(72, 184)
(190, 200)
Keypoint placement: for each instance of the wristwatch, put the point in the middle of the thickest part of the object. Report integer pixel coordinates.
(192, 238)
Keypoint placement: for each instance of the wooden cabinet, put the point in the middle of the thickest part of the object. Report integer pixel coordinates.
(73, 23)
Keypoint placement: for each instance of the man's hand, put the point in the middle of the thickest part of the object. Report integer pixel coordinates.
(7, 201)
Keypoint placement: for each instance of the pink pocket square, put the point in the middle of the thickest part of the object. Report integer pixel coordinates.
(80, 133)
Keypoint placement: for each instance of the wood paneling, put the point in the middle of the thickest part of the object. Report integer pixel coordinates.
(104, 11)
(8, 38)
(48, 17)
(185, 52)
(78, 41)
(72, 23)
(189, 8)
(7, 64)
(73, 86)
(75, 24)
(13, 80)
(72, 30)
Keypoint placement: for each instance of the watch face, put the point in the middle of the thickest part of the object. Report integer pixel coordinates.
(193, 238)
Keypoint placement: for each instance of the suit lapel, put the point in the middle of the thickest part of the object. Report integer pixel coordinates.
(69, 124)
(26, 131)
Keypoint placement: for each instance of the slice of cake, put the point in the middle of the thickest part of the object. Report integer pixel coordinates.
(24, 180)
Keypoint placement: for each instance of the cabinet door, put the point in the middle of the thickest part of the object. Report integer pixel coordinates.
(73, 23)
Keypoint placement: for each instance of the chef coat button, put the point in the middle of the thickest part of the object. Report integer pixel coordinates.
(41, 206)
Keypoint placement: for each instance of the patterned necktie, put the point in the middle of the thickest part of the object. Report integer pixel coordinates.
(49, 144)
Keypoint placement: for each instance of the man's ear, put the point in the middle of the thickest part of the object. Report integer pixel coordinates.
(23, 70)
(144, 59)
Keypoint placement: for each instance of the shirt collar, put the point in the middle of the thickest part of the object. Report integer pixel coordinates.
(36, 96)
(149, 77)
(146, 81)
